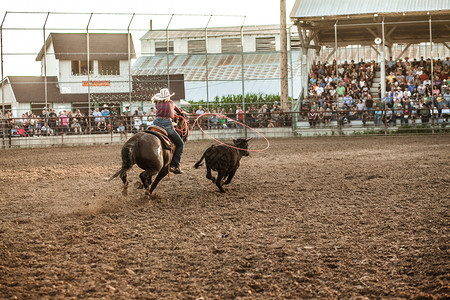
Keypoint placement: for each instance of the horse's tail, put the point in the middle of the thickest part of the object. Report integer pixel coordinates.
(199, 163)
(128, 160)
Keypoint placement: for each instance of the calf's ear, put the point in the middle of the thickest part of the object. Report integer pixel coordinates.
(248, 140)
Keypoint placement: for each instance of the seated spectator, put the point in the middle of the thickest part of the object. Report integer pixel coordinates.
(440, 101)
(398, 112)
(388, 116)
(46, 130)
(105, 113)
(121, 130)
(101, 126)
(64, 122)
(378, 116)
(321, 116)
(406, 114)
(97, 115)
(352, 114)
(445, 113)
(327, 116)
(368, 107)
(230, 117)
(32, 122)
(424, 113)
(75, 126)
(275, 112)
(145, 121)
(137, 122)
(213, 120)
(312, 117)
(340, 90)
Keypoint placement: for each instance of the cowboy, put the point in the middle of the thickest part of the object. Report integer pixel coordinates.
(165, 112)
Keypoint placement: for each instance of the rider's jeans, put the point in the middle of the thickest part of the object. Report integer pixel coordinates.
(176, 139)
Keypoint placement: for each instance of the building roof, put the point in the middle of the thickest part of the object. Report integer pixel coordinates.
(261, 72)
(32, 88)
(359, 22)
(305, 9)
(260, 65)
(102, 46)
(193, 33)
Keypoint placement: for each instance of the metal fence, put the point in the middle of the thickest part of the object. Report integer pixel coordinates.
(221, 60)
(331, 121)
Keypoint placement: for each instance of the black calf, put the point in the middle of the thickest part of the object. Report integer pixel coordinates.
(225, 160)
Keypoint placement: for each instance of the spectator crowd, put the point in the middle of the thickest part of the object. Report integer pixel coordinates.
(415, 89)
(112, 120)
(341, 92)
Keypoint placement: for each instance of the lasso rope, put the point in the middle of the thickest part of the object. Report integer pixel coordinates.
(222, 143)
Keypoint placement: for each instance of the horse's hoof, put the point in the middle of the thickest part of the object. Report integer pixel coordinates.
(138, 185)
(147, 193)
(125, 192)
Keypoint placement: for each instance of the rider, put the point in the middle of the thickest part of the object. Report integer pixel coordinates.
(165, 112)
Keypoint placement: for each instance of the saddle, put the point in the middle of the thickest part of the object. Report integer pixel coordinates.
(161, 133)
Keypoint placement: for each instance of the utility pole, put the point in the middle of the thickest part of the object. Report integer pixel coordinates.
(283, 52)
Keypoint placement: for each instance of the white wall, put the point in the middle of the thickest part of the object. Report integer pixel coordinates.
(52, 63)
(20, 108)
(7, 94)
(73, 84)
(214, 45)
(180, 46)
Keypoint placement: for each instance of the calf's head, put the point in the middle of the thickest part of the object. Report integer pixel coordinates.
(242, 144)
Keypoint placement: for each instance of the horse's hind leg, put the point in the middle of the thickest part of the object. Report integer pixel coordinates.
(146, 180)
(158, 178)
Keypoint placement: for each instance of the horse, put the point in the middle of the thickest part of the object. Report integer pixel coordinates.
(152, 151)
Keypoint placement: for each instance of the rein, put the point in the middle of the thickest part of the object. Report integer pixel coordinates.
(184, 131)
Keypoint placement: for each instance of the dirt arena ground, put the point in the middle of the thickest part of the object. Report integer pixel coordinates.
(327, 218)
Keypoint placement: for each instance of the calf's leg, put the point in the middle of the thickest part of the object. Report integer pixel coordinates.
(230, 176)
(219, 180)
(209, 175)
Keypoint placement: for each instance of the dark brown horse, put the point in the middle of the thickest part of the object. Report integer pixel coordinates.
(152, 151)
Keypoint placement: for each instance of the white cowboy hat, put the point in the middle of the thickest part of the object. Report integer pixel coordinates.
(163, 95)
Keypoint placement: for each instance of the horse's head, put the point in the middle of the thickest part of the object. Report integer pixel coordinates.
(242, 144)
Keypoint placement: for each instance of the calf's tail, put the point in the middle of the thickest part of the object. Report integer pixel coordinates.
(199, 163)
(128, 160)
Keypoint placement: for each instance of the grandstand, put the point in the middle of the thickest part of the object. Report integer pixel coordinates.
(378, 31)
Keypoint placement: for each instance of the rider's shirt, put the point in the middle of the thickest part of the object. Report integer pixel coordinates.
(165, 109)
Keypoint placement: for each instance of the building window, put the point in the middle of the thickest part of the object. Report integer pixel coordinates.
(80, 67)
(108, 67)
(161, 47)
(232, 45)
(265, 44)
(196, 46)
